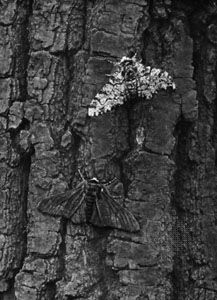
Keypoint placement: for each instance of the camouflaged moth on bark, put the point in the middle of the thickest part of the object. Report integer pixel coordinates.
(131, 80)
(90, 202)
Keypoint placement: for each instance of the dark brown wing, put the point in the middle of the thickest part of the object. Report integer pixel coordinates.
(108, 212)
(76, 210)
(66, 204)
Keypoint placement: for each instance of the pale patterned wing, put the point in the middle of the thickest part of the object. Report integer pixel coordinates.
(112, 94)
(65, 204)
(108, 212)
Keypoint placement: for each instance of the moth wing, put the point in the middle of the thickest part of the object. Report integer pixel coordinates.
(55, 204)
(112, 94)
(107, 212)
(64, 204)
(75, 211)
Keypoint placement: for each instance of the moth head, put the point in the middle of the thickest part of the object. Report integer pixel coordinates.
(94, 180)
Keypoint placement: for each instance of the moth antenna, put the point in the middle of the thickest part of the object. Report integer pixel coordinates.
(111, 181)
(111, 61)
(109, 75)
(82, 177)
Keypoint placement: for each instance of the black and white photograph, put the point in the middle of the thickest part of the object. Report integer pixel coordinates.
(108, 149)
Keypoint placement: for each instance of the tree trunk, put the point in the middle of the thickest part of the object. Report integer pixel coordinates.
(54, 58)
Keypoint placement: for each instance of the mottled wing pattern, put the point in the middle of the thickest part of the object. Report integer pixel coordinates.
(66, 204)
(112, 94)
(108, 212)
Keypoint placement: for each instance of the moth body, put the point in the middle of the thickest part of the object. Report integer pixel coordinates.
(92, 191)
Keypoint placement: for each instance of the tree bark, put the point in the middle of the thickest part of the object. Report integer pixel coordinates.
(54, 58)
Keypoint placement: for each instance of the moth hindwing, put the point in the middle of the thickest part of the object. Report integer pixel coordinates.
(90, 202)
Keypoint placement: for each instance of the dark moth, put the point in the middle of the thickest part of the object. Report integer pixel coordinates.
(90, 202)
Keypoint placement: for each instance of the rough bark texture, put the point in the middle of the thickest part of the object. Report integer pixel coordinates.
(54, 57)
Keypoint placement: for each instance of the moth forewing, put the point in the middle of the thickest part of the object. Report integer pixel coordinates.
(63, 204)
(54, 205)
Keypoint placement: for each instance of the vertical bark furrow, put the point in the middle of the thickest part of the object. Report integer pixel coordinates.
(185, 205)
(51, 72)
(195, 159)
(16, 162)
